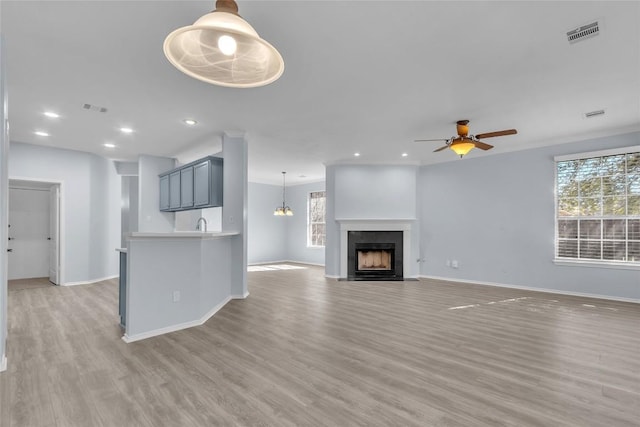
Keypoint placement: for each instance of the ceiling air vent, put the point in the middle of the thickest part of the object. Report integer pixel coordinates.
(94, 108)
(594, 113)
(584, 32)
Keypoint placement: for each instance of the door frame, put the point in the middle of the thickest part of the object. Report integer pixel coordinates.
(61, 217)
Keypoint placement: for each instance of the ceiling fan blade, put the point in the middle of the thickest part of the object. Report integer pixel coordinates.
(498, 133)
(440, 149)
(429, 140)
(481, 145)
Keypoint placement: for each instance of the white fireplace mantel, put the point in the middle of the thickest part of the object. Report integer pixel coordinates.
(375, 224)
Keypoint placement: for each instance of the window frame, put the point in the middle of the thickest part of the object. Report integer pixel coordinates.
(310, 223)
(586, 262)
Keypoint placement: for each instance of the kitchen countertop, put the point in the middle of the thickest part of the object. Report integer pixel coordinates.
(182, 235)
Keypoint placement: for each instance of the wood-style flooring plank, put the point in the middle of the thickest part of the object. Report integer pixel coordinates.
(303, 350)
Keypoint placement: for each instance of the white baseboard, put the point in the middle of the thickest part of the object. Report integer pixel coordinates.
(268, 262)
(329, 276)
(284, 261)
(243, 296)
(306, 263)
(3, 364)
(529, 288)
(89, 282)
(173, 328)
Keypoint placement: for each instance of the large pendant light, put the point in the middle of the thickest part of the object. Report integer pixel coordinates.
(223, 49)
(283, 210)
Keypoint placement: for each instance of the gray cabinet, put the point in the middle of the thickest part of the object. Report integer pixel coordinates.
(201, 184)
(174, 190)
(195, 185)
(186, 187)
(164, 193)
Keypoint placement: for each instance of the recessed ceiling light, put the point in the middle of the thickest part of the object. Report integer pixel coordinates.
(190, 122)
(108, 145)
(41, 133)
(404, 154)
(51, 114)
(126, 130)
(356, 154)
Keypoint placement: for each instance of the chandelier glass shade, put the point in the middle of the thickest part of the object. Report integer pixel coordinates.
(283, 210)
(223, 49)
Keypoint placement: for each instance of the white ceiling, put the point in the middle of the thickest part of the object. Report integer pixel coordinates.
(365, 76)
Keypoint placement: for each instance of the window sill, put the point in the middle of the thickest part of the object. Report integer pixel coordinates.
(596, 264)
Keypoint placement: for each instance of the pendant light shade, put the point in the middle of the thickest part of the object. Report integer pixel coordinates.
(283, 210)
(223, 49)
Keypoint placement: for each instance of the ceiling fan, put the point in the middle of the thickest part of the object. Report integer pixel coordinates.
(463, 143)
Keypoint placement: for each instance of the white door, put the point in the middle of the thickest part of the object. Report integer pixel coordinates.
(54, 234)
(29, 233)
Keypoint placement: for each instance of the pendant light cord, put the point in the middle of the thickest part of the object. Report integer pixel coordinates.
(284, 186)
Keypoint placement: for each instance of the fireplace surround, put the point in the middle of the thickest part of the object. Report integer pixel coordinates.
(403, 225)
(374, 255)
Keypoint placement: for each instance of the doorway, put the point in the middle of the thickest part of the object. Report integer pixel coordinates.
(34, 230)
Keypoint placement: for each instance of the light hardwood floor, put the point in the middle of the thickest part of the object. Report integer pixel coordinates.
(303, 350)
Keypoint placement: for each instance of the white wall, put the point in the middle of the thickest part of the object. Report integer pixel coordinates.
(150, 219)
(495, 215)
(90, 206)
(4, 200)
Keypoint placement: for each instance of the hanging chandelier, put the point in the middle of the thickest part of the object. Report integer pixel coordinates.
(223, 49)
(283, 210)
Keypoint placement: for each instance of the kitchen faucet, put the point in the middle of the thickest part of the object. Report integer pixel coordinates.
(198, 225)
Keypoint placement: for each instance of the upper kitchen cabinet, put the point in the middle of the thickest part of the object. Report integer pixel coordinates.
(174, 190)
(186, 187)
(164, 193)
(195, 185)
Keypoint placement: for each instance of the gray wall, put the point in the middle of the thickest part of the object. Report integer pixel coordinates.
(266, 232)
(4, 200)
(369, 192)
(276, 238)
(234, 210)
(91, 206)
(296, 226)
(495, 215)
(150, 219)
(377, 192)
(129, 210)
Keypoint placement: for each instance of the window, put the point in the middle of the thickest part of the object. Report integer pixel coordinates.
(598, 207)
(316, 233)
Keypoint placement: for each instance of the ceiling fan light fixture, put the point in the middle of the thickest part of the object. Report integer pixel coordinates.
(223, 49)
(462, 147)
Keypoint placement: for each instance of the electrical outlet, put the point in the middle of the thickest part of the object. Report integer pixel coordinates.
(176, 296)
(454, 263)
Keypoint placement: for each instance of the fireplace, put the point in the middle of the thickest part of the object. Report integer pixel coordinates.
(375, 255)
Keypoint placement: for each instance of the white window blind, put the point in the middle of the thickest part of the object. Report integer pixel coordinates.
(316, 228)
(598, 208)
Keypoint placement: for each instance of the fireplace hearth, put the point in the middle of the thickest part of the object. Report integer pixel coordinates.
(375, 255)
